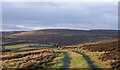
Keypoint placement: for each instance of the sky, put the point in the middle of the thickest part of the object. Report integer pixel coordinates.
(25, 16)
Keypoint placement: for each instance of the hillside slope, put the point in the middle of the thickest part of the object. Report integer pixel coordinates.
(61, 36)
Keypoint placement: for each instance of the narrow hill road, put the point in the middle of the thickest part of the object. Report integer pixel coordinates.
(90, 62)
(75, 59)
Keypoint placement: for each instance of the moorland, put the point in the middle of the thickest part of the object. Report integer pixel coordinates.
(80, 49)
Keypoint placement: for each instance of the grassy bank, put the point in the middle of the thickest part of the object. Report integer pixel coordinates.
(27, 60)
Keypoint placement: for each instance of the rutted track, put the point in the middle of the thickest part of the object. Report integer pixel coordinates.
(90, 62)
(67, 60)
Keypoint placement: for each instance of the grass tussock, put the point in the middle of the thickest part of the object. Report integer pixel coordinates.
(22, 54)
(27, 60)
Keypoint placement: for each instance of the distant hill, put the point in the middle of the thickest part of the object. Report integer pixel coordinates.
(6, 33)
(61, 36)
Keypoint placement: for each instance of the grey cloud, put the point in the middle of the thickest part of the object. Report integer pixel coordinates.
(66, 15)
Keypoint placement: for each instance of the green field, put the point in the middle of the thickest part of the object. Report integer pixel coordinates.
(23, 45)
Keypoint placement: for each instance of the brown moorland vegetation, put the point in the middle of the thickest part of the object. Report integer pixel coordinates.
(63, 37)
(27, 60)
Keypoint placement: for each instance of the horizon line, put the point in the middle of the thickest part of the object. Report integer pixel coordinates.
(58, 29)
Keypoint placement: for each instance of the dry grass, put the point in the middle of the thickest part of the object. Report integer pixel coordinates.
(27, 60)
(22, 54)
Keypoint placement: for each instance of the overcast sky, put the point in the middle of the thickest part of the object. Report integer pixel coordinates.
(53, 15)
